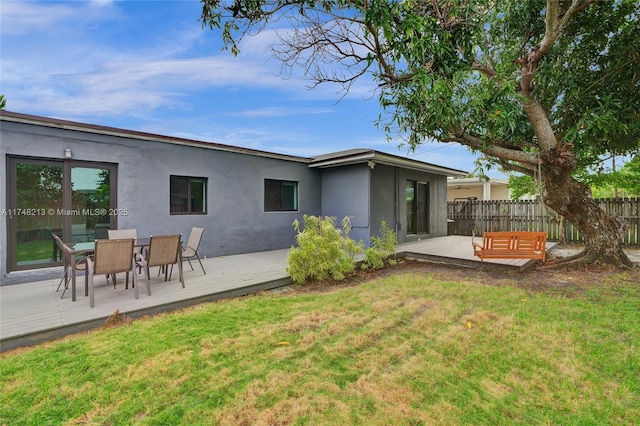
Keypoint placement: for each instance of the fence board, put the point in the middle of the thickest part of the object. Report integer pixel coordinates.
(532, 215)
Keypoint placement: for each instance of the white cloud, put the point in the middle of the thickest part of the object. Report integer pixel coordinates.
(282, 141)
(101, 3)
(41, 17)
(102, 58)
(70, 65)
(20, 17)
(280, 112)
(144, 83)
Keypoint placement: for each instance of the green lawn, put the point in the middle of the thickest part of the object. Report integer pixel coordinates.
(35, 250)
(408, 349)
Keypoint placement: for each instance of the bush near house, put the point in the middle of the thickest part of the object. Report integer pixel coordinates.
(325, 251)
(382, 249)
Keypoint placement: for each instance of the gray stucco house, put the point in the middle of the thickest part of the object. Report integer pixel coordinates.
(78, 180)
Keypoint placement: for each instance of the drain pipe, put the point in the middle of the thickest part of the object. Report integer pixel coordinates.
(397, 200)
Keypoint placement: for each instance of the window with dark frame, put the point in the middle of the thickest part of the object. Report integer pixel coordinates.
(188, 195)
(280, 195)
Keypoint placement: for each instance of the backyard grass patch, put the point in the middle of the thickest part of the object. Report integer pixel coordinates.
(405, 349)
(35, 250)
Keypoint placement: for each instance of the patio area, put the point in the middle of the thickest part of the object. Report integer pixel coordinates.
(33, 312)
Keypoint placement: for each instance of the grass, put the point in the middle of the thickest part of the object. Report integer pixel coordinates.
(407, 349)
(35, 250)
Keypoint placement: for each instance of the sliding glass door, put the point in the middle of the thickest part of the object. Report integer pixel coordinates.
(35, 213)
(91, 202)
(68, 198)
(417, 207)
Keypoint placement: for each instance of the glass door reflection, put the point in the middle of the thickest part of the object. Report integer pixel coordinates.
(91, 203)
(71, 199)
(37, 210)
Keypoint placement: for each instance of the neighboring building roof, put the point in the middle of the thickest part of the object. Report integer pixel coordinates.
(477, 188)
(373, 157)
(474, 181)
(341, 158)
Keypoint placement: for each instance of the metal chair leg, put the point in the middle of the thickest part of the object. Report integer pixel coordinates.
(205, 272)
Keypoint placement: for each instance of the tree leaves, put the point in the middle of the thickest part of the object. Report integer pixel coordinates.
(535, 86)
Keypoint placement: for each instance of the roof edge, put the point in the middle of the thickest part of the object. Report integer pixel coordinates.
(354, 156)
(372, 157)
(17, 117)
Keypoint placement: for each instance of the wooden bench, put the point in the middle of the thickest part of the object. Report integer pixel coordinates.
(512, 245)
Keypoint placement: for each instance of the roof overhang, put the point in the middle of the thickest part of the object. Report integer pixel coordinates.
(355, 156)
(133, 134)
(372, 157)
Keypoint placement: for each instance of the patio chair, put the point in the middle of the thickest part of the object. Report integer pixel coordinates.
(119, 234)
(164, 250)
(56, 254)
(66, 257)
(109, 258)
(191, 250)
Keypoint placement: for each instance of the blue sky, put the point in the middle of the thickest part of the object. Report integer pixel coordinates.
(150, 66)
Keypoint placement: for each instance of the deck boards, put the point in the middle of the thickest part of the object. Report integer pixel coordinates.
(458, 250)
(33, 312)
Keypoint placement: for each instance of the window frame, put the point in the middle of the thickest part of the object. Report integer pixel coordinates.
(65, 221)
(281, 208)
(189, 195)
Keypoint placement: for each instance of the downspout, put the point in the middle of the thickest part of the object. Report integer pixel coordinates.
(396, 199)
(371, 167)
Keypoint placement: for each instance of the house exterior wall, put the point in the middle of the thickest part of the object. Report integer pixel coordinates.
(370, 196)
(437, 201)
(369, 190)
(346, 192)
(500, 192)
(235, 221)
(385, 196)
(496, 192)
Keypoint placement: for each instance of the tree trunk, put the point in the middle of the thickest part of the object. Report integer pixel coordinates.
(562, 230)
(572, 199)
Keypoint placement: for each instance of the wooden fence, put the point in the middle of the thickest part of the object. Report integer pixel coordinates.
(531, 215)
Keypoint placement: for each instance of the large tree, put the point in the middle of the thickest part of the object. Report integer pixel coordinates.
(539, 87)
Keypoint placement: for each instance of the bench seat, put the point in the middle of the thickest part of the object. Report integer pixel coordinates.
(512, 245)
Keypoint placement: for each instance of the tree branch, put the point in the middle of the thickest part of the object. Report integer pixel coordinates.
(487, 71)
(503, 153)
(555, 21)
(520, 168)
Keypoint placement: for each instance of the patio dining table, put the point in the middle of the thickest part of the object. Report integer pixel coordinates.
(88, 248)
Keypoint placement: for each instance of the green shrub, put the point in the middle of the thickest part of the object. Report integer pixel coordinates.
(323, 251)
(382, 249)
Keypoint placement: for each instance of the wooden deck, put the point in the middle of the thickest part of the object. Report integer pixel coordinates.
(33, 312)
(457, 250)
